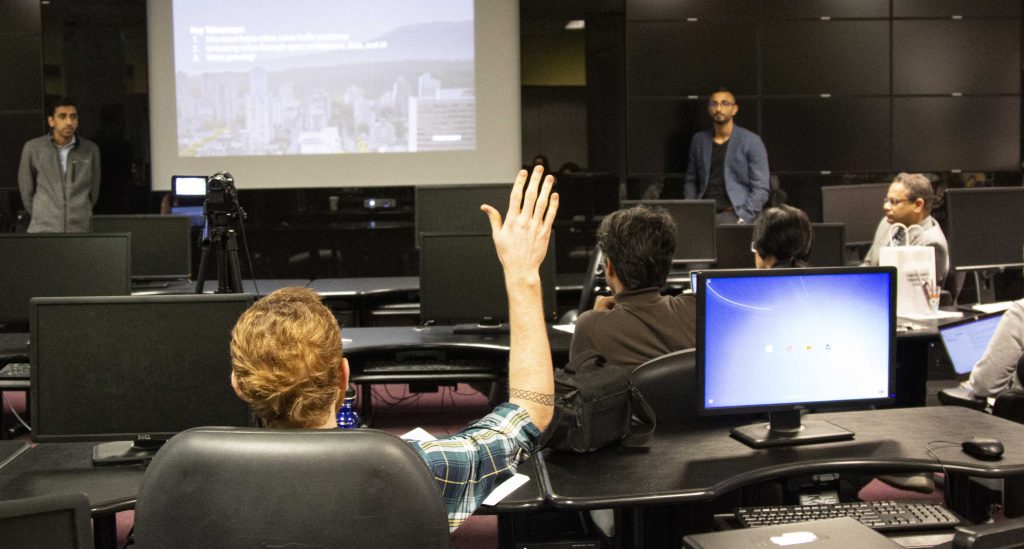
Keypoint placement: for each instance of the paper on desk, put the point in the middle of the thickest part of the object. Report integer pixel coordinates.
(505, 488)
(567, 328)
(937, 315)
(992, 307)
(418, 434)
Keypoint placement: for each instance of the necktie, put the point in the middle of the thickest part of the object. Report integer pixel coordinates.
(897, 237)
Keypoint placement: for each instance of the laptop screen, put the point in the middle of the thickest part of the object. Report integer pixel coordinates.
(966, 340)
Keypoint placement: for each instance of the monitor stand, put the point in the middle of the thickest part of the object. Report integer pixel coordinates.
(787, 429)
(124, 451)
(985, 284)
(487, 326)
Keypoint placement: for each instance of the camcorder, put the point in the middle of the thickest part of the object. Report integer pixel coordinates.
(221, 205)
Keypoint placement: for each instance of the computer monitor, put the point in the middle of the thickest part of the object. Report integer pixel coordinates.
(586, 196)
(695, 227)
(456, 208)
(998, 246)
(60, 264)
(160, 243)
(461, 281)
(59, 521)
(189, 190)
(732, 247)
(785, 340)
(132, 369)
(828, 247)
(859, 207)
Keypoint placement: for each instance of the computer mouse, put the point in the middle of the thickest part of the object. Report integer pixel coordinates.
(983, 448)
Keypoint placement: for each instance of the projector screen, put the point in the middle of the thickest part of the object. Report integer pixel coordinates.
(333, 93)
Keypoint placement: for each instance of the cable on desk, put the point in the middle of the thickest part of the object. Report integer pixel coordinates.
(15, 412)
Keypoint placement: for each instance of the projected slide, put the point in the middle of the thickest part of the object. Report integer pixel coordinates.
(324, 77)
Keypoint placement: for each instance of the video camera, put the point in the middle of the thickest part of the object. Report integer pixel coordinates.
(221, 205)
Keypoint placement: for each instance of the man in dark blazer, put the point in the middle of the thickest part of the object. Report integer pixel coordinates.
(728, 164)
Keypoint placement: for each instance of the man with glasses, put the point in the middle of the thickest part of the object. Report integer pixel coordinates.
(728, 164)
(909, 202)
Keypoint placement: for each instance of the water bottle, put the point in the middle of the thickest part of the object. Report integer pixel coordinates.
(348, 418)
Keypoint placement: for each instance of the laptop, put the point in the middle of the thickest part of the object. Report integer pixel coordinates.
(837, 533)
(188, 194)
(966, 340)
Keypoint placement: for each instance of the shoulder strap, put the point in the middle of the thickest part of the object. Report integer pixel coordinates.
(644, 422)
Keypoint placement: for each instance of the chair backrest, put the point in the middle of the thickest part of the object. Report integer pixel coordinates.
(243, 487)
(592, 279)
(668, 384)
(1010, 405)
(52, 522)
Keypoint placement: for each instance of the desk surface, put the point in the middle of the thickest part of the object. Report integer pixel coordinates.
(356, 341)
(702, 464)
(265, 285)
(57, 468)
(347, 287)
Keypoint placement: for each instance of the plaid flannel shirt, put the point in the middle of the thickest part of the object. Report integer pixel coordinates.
(469, 464)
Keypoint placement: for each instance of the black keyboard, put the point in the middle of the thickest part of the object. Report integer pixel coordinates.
(16, 370)
(879, 515)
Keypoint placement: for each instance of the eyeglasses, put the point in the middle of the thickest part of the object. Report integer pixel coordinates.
(723, 104)
(753, 247)
(894, 201)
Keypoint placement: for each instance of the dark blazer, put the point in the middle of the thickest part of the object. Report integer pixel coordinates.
(746, 171)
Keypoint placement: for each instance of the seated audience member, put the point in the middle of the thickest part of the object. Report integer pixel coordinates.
(782, 238)
(637, 323)
(996, 372)
(287, 362)
(909, 201)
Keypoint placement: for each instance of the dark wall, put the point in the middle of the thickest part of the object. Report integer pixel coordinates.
(21, 94)
(832, 87)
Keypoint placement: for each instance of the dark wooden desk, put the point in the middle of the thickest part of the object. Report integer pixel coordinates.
(57, 468)
(699, 465)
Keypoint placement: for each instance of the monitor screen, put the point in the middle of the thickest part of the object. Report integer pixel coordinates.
(456, 209)
(695, 227)
(828, 247)
(966, 340)
(859, 207)
(160, 243)
(461, 280)
(134, 368)
(783, 340)
(997, 209)
(189, 190)
(732, 247)
(81, 264)
(59, 521)
(586, 195)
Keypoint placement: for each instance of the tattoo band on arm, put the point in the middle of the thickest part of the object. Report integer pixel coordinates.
(546, 400)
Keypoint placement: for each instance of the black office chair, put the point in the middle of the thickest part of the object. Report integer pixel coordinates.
(593, 282)
(668, 383)
(242, 487)
(58, 521)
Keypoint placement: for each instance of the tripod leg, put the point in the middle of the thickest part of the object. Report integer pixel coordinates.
(204, 263)
(234, 271)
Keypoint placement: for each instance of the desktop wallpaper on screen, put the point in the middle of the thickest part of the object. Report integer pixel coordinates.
(793, 339)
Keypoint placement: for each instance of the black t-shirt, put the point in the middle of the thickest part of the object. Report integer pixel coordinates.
(716, 177)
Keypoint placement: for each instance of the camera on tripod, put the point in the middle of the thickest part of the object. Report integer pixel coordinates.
(223, 217)
(221, 205)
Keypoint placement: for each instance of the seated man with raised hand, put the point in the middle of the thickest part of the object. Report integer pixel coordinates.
(287, 361)
(637, 323)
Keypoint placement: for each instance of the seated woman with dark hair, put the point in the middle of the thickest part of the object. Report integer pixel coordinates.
(782, 238)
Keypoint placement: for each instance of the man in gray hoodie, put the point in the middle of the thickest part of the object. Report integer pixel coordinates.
(59, 175)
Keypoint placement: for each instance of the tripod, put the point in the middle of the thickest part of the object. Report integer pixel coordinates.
(222, 238)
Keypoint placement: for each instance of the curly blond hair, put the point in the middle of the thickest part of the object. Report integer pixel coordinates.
(285, 354)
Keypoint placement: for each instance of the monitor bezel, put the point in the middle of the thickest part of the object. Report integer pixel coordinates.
(502, 191)
(699, 203)
(951, 223)
(134, 437)
(547, 275)
(128, 262)
(184, 220)
(700, 291)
